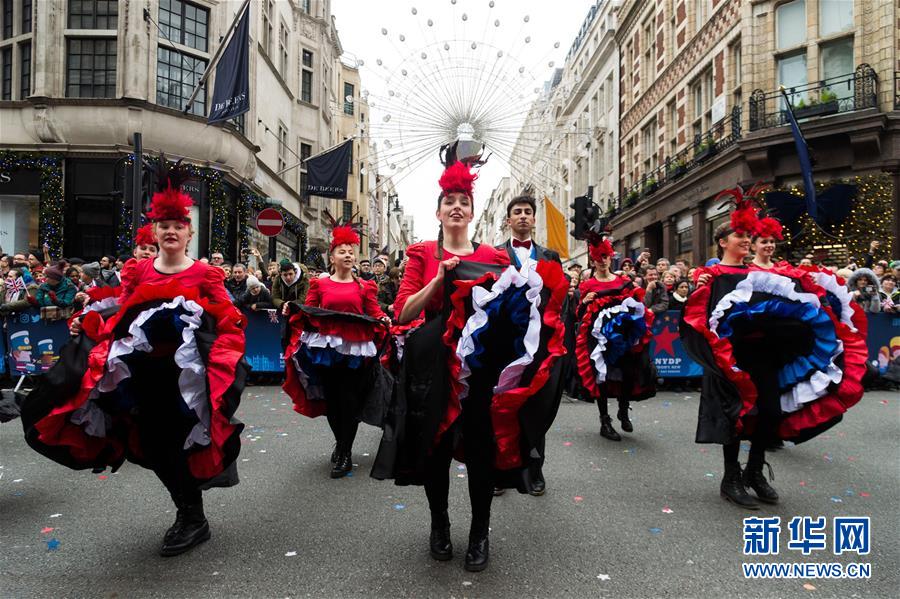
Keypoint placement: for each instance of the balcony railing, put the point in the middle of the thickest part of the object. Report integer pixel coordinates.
(896, 90)
(705, 146)
(846, 93)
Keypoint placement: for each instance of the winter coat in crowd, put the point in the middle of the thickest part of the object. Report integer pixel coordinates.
(867, 297)
(293, 292)
(61, 294)
(260, 301)
(657, 298)
(387, 293)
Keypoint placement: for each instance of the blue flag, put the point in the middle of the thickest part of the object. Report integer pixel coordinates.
(231, 96)
(327, 172)
(805, 164)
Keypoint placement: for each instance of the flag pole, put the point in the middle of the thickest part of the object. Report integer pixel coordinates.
(215, 59)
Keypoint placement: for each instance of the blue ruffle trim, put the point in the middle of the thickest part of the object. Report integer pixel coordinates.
(623, 331)
(514, 305)
(326, 357)
(825, 341)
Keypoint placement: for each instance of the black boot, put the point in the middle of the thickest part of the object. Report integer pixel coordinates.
(477, 554)
(732, 488)
(334, 454)
(756, 480)
(538, 485)
(606, 429)
(343, 465)
(190, 529)
(626, 422)
(439, 544)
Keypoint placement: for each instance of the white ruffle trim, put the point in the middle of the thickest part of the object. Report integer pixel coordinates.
(191, 380)
(817, 385)
(830, 284)
(511, 375)
(365, 349)
(766, 282)
(760, 282)
(629, 304)
(99, 306)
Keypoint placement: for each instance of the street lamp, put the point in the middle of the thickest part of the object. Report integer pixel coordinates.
(396, 199)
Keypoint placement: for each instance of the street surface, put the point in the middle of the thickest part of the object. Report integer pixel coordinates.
(640, 518)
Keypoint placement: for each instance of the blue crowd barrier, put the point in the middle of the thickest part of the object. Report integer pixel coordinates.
(32, 345)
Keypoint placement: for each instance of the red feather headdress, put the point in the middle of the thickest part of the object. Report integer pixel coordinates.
(745, 217)
(144, 236)
(169, 202)
(342, 233)
(457, 178)
(598, 249)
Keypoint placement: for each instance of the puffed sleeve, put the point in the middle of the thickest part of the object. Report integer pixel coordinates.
(214, 285)
(130, 275)
(701, 270)
(370, 301)
(314, 295)
(413, 276)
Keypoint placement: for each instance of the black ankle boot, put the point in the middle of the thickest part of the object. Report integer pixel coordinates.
(756, 480)
(191, 528)
(334, 454)
(732, 488)
(538, 484)
(343, 465)
(626, 422)
(477, 554)
(439, 544)
(606, 429)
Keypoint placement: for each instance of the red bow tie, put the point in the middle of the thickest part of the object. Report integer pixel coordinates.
(521, 244)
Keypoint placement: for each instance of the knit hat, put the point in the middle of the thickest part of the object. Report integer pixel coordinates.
(91, 269)
(53, 272)
(252, 282)
(286, 264)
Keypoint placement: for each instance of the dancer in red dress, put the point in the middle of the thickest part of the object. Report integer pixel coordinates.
(333, 346)
(612, 346)
(157, 381)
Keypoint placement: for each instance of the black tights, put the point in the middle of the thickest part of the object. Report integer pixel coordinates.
(342, 393)
(604, 409)
(478, 445)
(768, 406)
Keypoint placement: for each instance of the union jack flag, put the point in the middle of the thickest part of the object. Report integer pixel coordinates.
(19, 284)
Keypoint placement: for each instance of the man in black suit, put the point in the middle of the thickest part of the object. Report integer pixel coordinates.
(520, 218)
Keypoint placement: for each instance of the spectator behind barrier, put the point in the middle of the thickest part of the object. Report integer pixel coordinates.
(387, 291)
(57, 290)
(256, 297)
(291, 284)
(863, 286)
(889, 294)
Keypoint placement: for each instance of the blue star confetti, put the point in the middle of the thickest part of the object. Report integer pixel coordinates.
(52, 545)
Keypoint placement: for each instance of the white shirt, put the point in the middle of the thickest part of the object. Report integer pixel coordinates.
(523, 254)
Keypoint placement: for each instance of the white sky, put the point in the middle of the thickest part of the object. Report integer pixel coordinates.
(360, 23)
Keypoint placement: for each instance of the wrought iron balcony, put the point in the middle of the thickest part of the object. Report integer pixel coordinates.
(846, 93)
(705, 146)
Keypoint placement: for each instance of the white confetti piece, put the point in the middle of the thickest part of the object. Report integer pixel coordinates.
(290, 554)
(55, 515)
(602, 576)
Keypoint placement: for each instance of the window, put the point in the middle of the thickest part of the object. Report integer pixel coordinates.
(346, 211)
(670, 36)
(837, 61)
(350, 165)
(6, 74)
(306, 77)
(239, 122)
(648, 63)
(672, 127)
(177, 74)
(7, 19)
(305, 151)
(94, 14)
(791, 72)
(282, 148)
(305, 5)
(26, 16)
(304, 195)
(736, 67)
(19, 221)
(608, 100)
(267, 31)
(835, 16)
(24, 70)
(184, 23)
(283, 45)
(650, 146)
(702, 98)
(90, 68)
(790, 24)
(348, 98)
(684, 239)
(701, 13)
(362, 175)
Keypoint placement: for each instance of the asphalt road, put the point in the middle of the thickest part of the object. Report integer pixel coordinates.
(640, 518)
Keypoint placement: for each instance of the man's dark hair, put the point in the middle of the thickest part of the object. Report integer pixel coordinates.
(521, 200)
(365, 261)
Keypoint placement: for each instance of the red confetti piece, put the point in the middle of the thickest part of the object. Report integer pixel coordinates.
(102, 477)
(47, 529)
(884, 402)
(802, 483)
(864, 494)
(568, 443)
(809, 587)
(579, 499)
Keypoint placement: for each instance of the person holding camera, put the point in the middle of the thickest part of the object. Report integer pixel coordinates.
(863, 286)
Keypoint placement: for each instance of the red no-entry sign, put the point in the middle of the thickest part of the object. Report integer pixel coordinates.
(269, 222)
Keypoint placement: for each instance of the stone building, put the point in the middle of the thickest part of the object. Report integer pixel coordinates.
(78, 78)
(702, 110)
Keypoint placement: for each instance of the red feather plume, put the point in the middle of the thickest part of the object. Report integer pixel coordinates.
(745, 219)
(598, 250)
(144, 236)
(457, 178)
(769, 227)
(344, 234)
(169, 202)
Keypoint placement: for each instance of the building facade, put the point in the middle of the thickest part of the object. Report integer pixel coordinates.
(702, 111)
(90, 74)
(491, 226)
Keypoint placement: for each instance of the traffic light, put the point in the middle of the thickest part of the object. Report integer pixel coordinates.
(581, 216)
